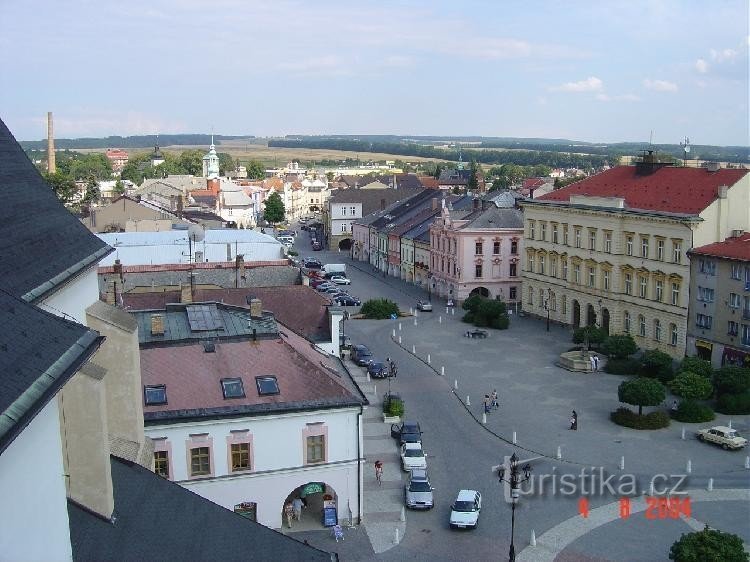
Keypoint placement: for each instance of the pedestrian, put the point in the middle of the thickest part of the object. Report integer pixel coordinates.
(495, 402)
(574, 421)
(338, 532)
(593, 362)
(674, 405)
(596, 363)
(486, 403)
(297, 506)
(379, 471)
(289, 512)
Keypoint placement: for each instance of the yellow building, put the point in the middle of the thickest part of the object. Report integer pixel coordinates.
(610, 250)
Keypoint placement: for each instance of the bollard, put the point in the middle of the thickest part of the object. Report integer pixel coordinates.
(413, 350)
(403, 514)
(399, 326)
(399, 340)
(394, 334)
(455, 384)
(747, 462)
(710, 484)
(411, 311)
(416, 312)
(468, 401)
(559, 452)
(514, 437)
(442, 371)
(368, 377)
(651, 488)
(429, 362)
(415, 320)
(532, 542)
(446, 310)
(453, 311)
(440, 319)
(375, 389)
(683, 434)
(689, 467)
(484, 419)
(730, 424)
(395, 539)
(622, 463)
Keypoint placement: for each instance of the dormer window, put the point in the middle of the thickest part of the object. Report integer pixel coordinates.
(267, 385)
(155, 395)
(232, 388)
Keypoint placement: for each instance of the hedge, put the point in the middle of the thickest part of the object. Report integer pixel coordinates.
(622, 366)
(690, 411)
(379, 309)
(628, 418)
(734, 403)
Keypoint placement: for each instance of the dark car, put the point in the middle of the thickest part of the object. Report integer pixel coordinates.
(406, 432)
(361, 355)
(312, 264)
(378, 370)
(347, 300)
(317, 246)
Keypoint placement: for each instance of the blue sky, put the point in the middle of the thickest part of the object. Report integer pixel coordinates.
(593, 71)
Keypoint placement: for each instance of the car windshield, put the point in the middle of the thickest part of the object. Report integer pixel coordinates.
(463, 506)
(410, 428)
(414, 453)
(419, 486)
(376, 366)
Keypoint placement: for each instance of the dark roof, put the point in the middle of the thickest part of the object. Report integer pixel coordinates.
(155, 519)
(670, 190)
(39, 353)
(494, 217)
(40, 254)
(403, 181)
(371, 199)
(734, 248)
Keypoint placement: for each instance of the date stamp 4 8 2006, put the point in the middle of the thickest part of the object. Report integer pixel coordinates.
(657, 507)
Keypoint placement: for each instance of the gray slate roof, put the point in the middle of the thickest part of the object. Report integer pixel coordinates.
(371, 199)
(155, 519)
(493, 217)
(37, 255)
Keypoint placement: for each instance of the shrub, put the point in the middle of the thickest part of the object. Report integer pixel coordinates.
(734, 403)
(468, 317)
(641, 392)
(596, 335)
(690, 411)
(483, 312)
(292, 252)
(732, 380)
(619, 346)
(501, 322)
(708, 544)
(698, 366)
(472, 303)
(625, 366)
(691, 386)
(379, 309)
(394, 408)
(657, 365)
(628, 418)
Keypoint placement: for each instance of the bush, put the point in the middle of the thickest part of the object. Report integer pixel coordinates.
(691, 386)
(379, 309)
(708, 545)
(734, 403)
(292, 252)
(656, 364)
(690, 411)
(596, 335)
(641, 392)
(468, 317)
(619, 346)
(472, 303)
(698, 366)
(501, 322)
(732, 380)
(624, 366)
(394, 408)
(628, 418)
(483, 312)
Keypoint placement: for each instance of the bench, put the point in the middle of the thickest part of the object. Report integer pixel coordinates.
(476, 334)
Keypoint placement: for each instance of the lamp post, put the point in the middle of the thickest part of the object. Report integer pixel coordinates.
(546, 307)
(429, 286)
(515, 481)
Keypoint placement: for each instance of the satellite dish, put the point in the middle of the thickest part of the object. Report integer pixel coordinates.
(196, 233)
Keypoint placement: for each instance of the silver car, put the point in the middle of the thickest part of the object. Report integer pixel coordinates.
(418, 490)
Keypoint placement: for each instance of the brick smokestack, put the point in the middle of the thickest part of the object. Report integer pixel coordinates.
(51, 167)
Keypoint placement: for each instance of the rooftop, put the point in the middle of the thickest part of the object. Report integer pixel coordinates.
(734, 248)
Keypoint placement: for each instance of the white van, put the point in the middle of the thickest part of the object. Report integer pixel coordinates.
(286, 240)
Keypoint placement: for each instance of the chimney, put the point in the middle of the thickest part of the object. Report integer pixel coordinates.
(722, 191)
(434, 203)
(186, 293)
(240, 265)
(111, 296)
(157, 324)
(256, 308)
(180, 206)
(713, 166)
(51, 167)
(118, 269)
(212, 184)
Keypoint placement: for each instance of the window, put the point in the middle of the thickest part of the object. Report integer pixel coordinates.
(554, 234)
(733, 328)
(660, 250)
(704, 321)
(643, 286)
(659, 290)
(641, 326)
(496, 247)
(316, 447)
(343, 227)
(628, 283)
(736, 271)
(708, 267)
(605, 280)
(592, 239)
(200, 461)
(532, 226)
(676, 251)
(657, 330)
(531, 261)
(564, 269)
(705, 294)
(564, 304)
(514, 247)
(267, 385)
(513, 270)
(673, 334)
(543, 231)
(352, 211)
(675, 294)
(541, 298)
(644, 246)
(531, 296)
(734, 300)
(161, 463)
(541, 264)
(592, 277)
(576, 274)
(512, 293)
(553, 267)
(240, 456)
(629, 245)
(626, 322)
(745, 334)
(478, 248)
(565, 234)
(478, 270)
(577, 235)
(608, 241)
(155, 394)
(232, 388)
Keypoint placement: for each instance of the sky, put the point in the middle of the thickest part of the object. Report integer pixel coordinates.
(594, 71)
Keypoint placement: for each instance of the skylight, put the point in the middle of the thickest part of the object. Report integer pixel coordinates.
(267, 385)
(232, 388)
(155, 395)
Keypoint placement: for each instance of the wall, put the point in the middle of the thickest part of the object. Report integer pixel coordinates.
(33, 494)
(72, 299)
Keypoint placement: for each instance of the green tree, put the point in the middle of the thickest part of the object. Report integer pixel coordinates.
(698, 366)
(708, 545)
(691, 386)
(619, 346)
(438, 170)
(595, 335)
(274, 211)
(473, 183)
(329, 176)
(92, 193)
(379, 309)
(641, 392)
(255, 170)
(657, 364)
(119, 188)
(732, 380)
(191, 161)
(227, 164)
(63, 186)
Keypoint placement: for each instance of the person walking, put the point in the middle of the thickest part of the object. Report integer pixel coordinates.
(338, 532)
(379, 471)
(593, 362)
(495, 402)
(297, 506)
(486, 403)
(574, 421)
(596, 363)
(289, 512)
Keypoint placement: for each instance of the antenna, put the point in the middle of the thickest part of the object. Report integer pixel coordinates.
(195, 235)
(651, 138)
(685, 150)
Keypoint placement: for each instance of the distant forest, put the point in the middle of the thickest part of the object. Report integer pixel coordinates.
(140, 141)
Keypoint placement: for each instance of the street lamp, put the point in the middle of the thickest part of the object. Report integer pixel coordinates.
(546, 307)
(429, 286)
(515, 481)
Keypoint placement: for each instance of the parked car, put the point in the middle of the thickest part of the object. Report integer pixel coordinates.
(378, 370)
(340, 280)
(329, 289)
(406, 432)
(361, 355)
(412, 456)
(465, 510)
(312, 263)
(722, 435)
(424, 306)
(418, 490)
(347, 300)
(317, 246)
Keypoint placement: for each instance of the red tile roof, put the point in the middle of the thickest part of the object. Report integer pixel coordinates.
(735, 248)
(672, 190)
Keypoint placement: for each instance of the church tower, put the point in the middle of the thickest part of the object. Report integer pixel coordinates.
(211, 162)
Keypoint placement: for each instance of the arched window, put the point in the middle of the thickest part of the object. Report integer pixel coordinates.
(657, 330)
(673, 334)
(626, 322)
(641, 326)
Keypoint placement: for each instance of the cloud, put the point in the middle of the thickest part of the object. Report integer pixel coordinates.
(660, 85)
(80, 123)
(327, 65)
(622, 97)
(723, 55)
(590, 84)
(701, 66)
(541, 100)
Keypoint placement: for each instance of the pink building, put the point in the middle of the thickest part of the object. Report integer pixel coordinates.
(477, 251)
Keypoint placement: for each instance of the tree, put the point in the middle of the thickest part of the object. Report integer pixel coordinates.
(732, 380)
(473, 183)
(698, 366)
(92, 193)
(227, 164)
(329, 176)
(438, 170)
(708, 545)
(657, 364)
(595, 335)
(191, 161)
(641, 392)
(274, 211)
(691, 386)
(255, 170)
(119, 188)
(619, 346)
(63, 186)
